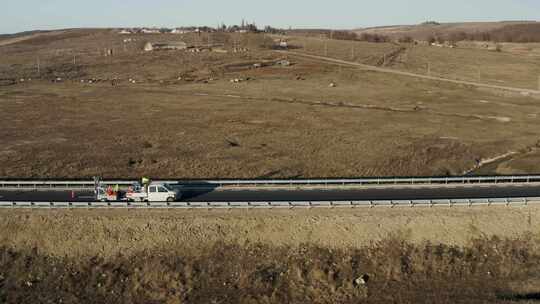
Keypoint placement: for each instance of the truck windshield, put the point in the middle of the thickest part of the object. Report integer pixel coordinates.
(168, 187)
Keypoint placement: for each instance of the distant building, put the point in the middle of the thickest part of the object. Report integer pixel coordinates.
(175, 45)
(150, 31)
(148, 47)
(125, 32)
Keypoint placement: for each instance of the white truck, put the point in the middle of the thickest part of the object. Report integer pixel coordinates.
(157, 192)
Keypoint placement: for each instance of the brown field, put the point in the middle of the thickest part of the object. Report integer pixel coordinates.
(440, 255)
(422, 31)
(184, 118)
(517, 65)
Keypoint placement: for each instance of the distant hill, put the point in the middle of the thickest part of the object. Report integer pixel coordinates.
(428, 29)
(21, 34)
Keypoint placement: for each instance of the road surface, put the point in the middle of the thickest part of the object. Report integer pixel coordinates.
(281, 195)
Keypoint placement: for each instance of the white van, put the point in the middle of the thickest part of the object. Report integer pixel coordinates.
(162, 193)
(157, 192)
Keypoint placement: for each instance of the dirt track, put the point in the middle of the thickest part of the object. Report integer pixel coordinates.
(390, 71)
(27, 37)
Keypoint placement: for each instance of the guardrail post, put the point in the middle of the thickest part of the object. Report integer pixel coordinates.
(371, 204)
(526, 202)
(469, 203)
(411, 203)
(507, 202)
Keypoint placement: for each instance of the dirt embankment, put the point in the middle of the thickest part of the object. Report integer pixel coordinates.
(423, 255)
(108, 233)
(256, 273)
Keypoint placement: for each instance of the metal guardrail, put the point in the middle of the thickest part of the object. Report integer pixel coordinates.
(283, 183)
(273, 205)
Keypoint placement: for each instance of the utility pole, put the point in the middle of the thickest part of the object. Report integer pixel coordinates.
(38, 68)
(352, 52)
(429, 68)
(479, 74)
(326, 48)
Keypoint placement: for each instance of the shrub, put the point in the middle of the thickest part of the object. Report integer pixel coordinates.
(344, 35)
(373, 38)
(406, 39)
(258, 273)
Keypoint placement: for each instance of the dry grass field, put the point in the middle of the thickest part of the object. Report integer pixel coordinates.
(469, 255)
(518, 65)
(181, 116)
(423, 31)
(67, 110)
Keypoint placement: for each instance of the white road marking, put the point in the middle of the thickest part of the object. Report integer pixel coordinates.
(85, 196)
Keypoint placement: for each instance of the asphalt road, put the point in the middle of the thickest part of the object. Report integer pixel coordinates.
(208, 195)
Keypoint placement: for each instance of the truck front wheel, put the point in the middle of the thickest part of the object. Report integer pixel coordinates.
(170, 199)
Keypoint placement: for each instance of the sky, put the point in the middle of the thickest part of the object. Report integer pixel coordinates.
(23, 15)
